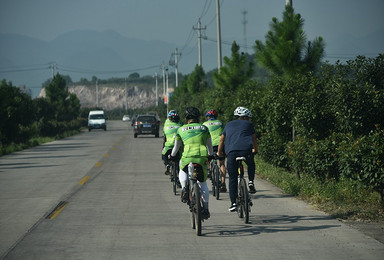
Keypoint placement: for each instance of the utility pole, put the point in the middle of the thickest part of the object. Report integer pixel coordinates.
(218, 36)
(53, 70)
(245, 30)
(157, 93)
(199, 38)
(167, 90)
(175, 63)
(126, 95)
(176, 68)
(288, 2)
(163, 68)
(97, 95)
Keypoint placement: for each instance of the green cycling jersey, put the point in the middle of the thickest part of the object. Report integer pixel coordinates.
(169, 132)
(194, 137)
(215, 129)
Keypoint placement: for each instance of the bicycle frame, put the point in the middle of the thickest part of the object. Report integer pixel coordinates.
(174, 175)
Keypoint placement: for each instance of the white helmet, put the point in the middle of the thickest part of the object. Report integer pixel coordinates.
(242, 111)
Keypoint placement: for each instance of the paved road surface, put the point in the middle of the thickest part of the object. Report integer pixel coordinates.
(118, 204)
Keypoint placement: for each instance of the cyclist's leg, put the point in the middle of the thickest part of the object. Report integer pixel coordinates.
(232, 174)
(164, 158)
(166, 161)
(183, 178)
(250, 161)
(223, 170)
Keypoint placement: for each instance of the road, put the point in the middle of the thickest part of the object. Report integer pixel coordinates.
(118, 204)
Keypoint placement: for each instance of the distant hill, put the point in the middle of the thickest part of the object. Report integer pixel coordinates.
(83, 54)
(86, 53)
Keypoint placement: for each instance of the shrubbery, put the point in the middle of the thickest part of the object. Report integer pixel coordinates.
(336, 122)
(23, 118)
(326, 124)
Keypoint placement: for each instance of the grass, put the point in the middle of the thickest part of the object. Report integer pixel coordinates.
(343, 199)
(35, 141)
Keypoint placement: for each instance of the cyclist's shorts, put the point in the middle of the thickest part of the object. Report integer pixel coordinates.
(200, 172)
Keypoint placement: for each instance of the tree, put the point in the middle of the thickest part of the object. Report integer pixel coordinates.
(191, 91)
(66, 106)
(235, 73)
(134, 75)
(16, 113)
(285, 51)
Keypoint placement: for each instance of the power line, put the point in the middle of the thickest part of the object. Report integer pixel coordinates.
(189, 39)
(205, 8)
(25, 68)
(89, 71)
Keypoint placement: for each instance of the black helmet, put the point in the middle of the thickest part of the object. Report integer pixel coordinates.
(173, 116)
(192, 113)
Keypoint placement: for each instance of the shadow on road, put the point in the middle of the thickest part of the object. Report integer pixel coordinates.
(267, 224)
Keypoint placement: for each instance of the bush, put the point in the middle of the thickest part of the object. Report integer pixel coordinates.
(316, 158)
(362, 159)
(272, 149)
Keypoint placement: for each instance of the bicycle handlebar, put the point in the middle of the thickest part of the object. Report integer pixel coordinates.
(215, 157)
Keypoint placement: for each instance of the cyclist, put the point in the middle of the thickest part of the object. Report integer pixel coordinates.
(171, 125)
(216, 127)
(197, 147)
(239, 139)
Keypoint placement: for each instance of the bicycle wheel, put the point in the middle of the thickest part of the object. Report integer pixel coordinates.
(191, 205)
(211, 173)
(245, 201)
(174, 177)
(217, 180)
(240, 199)
(197, 207)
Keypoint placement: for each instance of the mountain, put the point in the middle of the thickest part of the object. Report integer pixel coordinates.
(83, 54)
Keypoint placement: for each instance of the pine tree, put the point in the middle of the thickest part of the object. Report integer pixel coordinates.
(235, 72)
(285, 51)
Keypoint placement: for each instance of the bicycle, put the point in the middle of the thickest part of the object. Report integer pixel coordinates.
(174, 178)
(195, 201)
(243, 199)
(214, 170)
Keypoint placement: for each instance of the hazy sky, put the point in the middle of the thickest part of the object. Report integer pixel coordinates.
(172, 20)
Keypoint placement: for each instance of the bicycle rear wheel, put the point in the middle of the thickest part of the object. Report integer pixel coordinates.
(197, 208)
(240, 199)
(212, 173)
(191, 205)
(216, 175)
(245, 200)
(174, 177)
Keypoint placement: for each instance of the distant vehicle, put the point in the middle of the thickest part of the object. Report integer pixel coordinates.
(146, 125)
(96, 120)
(126, 118)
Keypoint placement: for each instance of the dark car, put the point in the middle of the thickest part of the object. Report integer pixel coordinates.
(146, 125)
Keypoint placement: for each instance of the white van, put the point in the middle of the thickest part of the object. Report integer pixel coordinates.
(96, 120)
